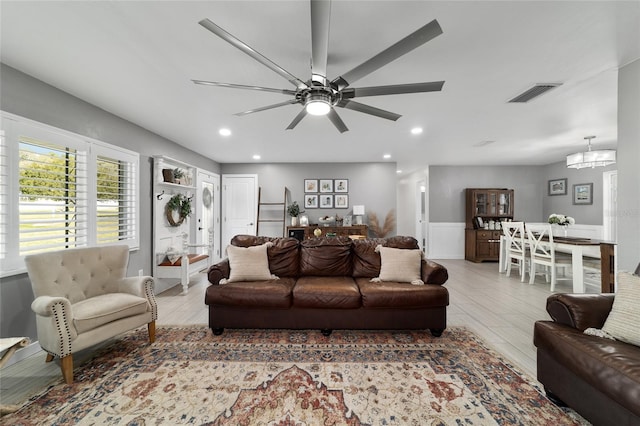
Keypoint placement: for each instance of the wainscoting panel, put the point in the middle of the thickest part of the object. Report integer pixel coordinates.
(446, 240)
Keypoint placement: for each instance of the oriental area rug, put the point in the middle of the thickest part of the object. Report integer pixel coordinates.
(286, 377)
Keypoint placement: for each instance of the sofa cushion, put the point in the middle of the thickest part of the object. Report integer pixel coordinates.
(400, 265)
(623, 321)
(282, 255)
(99, 310)
(612, 367)
(366, 261)
(326, 292)
(329, 257)
(248, 264)
(262, 294)
(400, 295)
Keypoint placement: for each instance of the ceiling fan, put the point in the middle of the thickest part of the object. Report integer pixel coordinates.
(321, 96)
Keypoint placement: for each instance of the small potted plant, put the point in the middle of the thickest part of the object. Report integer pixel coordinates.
(178, 174)
(294, 211)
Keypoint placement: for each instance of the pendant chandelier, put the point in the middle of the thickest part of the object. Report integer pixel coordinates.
(589, 158)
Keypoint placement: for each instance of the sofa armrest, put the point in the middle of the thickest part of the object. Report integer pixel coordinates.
(433, 273)
(141, 287)
(580, 311)
(219, 271)
(54, 322)
(43, 306)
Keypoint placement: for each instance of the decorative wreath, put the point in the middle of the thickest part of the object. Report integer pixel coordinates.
(180, 203)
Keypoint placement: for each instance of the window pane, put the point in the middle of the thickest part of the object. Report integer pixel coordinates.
(115, 200)
(52, 198)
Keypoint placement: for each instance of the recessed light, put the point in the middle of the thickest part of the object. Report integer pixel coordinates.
(224, 132)
(256, 157)
(386, 156)
(416, 130)
(398, 171)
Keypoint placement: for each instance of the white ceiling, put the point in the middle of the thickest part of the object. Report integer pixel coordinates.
(136, 60)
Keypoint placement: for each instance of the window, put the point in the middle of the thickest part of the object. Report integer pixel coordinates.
(61, 190)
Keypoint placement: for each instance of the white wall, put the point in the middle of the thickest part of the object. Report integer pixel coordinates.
(629, 166)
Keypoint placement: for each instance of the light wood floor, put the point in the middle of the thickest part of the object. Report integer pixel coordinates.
(499, 309)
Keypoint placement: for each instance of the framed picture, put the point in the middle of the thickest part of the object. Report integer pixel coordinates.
(583, 193)
(311, 201)
(326, 201)
(340, 185)
(347, 221)
(311, 185)
(558, 187)
(342, 201)
(326, 185)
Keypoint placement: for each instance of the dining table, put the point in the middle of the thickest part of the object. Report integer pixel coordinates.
(580, 249)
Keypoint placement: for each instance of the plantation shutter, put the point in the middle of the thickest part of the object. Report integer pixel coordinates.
(116, 200)
(52, 196)
(4, 194)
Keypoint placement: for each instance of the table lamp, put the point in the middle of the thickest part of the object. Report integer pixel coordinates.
(358, 212)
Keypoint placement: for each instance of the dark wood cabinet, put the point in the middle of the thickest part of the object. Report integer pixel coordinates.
(484, 206)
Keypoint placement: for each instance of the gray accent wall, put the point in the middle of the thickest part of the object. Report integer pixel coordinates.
(585, 214)
(370, 184)
(447, 185)
(28, 97)
(629, 166)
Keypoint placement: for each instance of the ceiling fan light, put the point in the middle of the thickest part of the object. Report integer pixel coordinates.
(318, 104)
(318, 107)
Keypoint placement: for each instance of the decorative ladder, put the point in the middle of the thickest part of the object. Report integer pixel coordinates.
(283, 204)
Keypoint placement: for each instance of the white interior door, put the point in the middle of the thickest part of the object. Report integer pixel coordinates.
(208, 211)
(239, 203)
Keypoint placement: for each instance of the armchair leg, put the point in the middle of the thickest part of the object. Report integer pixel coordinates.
(66, 365)
(152, 331)
(49, 358)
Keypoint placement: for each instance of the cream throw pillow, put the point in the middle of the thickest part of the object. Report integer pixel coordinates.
(399, 265)
(623, 321)
(248, 264)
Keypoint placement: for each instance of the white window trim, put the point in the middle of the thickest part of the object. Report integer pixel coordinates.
(11, 124)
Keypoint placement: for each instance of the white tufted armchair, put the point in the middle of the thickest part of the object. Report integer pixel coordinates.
(82, 297)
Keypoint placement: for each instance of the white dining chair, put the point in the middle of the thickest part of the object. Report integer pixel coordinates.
(540, 240)
(516, 247)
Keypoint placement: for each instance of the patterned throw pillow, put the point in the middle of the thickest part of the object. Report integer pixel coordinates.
(248, 264)
(399, 265)
(623, 321)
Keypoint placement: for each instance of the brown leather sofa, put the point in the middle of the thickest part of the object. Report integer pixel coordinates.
(597, 377)
(324, 283)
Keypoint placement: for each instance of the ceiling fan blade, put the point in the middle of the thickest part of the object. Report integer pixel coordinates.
(264, 108)
(320, 15)
(367, 109)
(242, 86)
(397, 89)
(252, 52)
(404, 46)
(337, 121)
(302, 114)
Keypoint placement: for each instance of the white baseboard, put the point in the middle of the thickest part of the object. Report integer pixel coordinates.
(446, 240)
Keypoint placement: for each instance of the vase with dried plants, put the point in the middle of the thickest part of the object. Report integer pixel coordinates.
(387, 227)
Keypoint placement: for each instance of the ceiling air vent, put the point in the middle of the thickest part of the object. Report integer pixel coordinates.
(534, 92)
